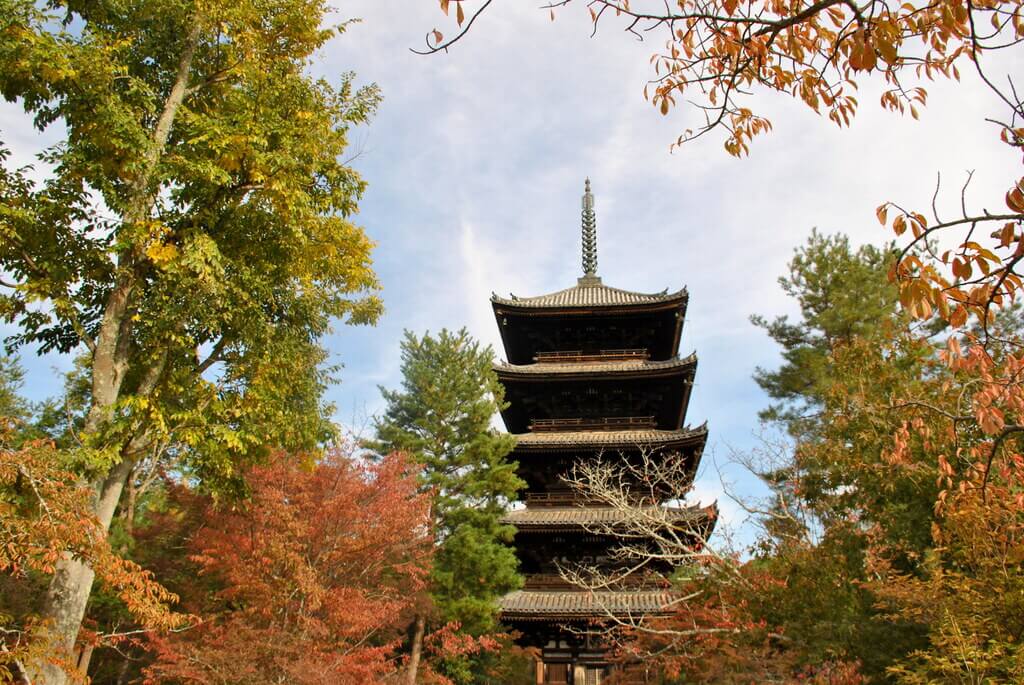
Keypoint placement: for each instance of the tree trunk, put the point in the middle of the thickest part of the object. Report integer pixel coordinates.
(417, 649)
(72, 584)
(72, 580)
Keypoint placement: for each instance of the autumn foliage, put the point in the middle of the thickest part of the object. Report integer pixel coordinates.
(45, 515)
(305, 582)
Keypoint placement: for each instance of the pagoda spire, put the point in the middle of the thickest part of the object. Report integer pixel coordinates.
(589, 234)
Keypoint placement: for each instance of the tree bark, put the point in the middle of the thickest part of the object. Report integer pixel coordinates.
(72, 580)
(71, 585)
(417, 649)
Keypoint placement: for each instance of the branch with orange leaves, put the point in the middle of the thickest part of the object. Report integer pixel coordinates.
(970, 279)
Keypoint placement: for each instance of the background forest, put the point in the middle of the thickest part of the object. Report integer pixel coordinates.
(178, 192)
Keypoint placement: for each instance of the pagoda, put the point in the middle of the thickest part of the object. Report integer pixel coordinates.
(592, 373)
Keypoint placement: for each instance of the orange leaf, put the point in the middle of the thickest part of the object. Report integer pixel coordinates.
(1015, 200)
(882, 212)
(899, 225)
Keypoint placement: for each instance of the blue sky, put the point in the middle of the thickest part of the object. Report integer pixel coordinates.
(476, 162)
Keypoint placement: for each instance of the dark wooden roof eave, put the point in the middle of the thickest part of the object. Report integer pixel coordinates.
(526, 605)
(699, 519)
(504, 307)
(568, 441)
(589, 371)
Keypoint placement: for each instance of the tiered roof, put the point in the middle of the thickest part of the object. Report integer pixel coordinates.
(590, 368)
(643, 376)
(591, 292)
(545, 605)
(553, 440)
(584, 516)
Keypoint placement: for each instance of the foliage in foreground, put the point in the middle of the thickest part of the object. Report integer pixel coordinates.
(45, 513)
(307, 581)
(191, 239)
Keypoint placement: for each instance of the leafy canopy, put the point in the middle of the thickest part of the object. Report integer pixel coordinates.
(306, 582)
(193, 233)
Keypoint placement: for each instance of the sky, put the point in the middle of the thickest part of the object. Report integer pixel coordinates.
(475, 164)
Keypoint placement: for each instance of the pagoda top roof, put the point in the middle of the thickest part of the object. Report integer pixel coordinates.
(590, 292)
(648, 437)
(547, 604)
(582, 516)
(619, 366)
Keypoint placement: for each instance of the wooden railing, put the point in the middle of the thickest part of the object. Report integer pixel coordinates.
(554, 581)
(604, 423)
(625, 354)
(556, 498)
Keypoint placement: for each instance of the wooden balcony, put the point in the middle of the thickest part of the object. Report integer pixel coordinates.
(607, 423)
(633, 354)
(554, 581)
(554, 498)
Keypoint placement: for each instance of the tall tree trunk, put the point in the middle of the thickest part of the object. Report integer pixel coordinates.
(417, 649)
(72, 584)
(72, 581)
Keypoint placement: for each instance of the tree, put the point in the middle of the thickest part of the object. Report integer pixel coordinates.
(843, 294)
(310, 577)
(45, 513)
(893, 519)
(721, 56)
(12, 377)
(442, 418)
(192, 239)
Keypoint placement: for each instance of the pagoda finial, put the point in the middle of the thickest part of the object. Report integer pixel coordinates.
(589, 233)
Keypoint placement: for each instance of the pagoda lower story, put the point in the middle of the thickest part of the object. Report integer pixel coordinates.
(593, 377)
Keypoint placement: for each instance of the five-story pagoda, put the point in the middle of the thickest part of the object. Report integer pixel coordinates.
(593, 373)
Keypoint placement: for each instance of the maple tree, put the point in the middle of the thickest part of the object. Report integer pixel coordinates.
(441, 417)
(191, 240)
(309, 580)
(45, 515)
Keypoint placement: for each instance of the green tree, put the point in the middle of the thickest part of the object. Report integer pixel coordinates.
(193, 238)
(835, 497)
(442, 417)
(842, 293)
(12, 378)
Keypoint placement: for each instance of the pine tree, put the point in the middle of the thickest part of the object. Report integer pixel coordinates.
(442, 418)
(843, 294)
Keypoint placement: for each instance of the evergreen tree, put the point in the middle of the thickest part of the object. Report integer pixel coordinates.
(12, 377)
(442, 418)
(843, 293)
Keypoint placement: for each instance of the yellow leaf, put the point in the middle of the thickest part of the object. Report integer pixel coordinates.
(161, 253)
